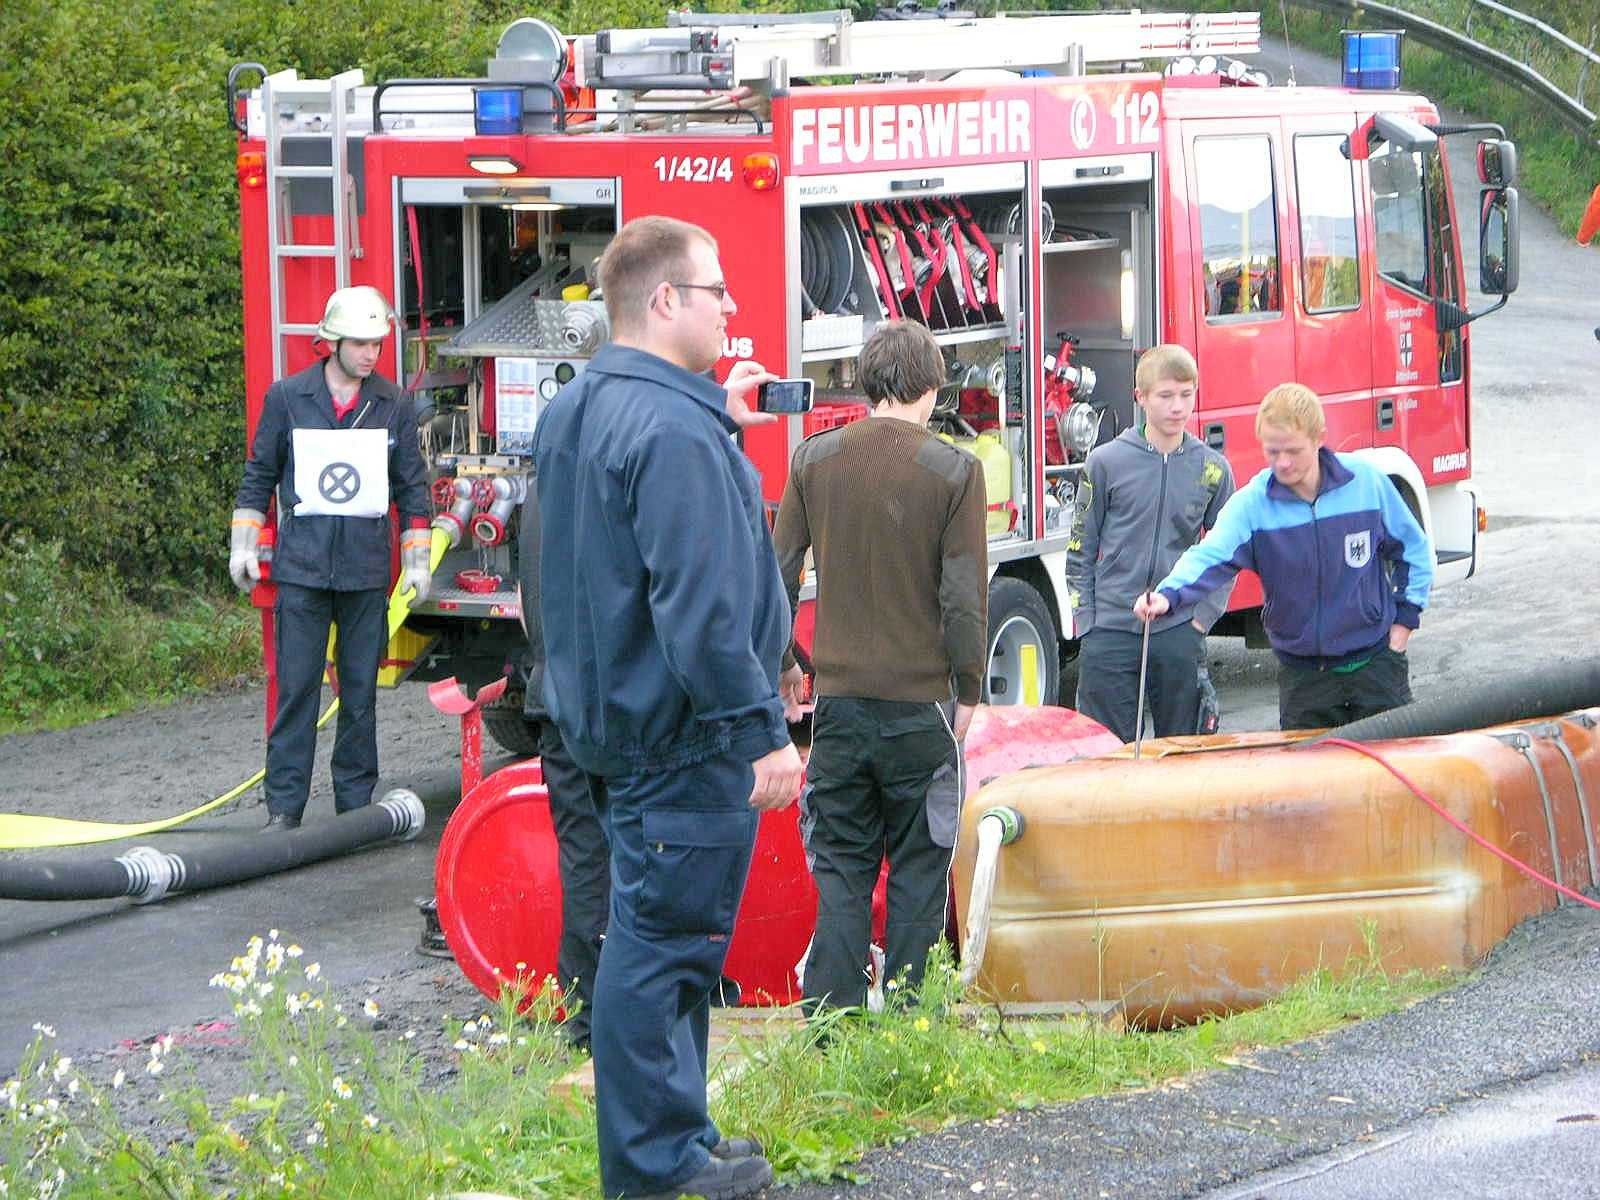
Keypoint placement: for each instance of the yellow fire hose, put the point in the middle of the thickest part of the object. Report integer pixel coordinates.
(20, 831)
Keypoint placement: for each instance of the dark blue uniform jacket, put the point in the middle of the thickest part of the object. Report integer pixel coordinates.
(341, 554)
(664, 617)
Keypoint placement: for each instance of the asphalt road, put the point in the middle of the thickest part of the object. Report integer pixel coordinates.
(1519, 1034)
(1538, 1138)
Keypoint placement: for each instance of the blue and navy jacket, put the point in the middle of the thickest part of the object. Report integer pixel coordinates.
(664, 617)
(1336, 572)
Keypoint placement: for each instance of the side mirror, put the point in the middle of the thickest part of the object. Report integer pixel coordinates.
(1403, 132)
(1497, 163)
(1497, 241)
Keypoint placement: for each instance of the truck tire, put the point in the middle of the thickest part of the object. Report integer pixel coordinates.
(1023, 646)
(506, 725)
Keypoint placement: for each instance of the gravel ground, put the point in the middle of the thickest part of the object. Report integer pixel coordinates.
(212, 1054)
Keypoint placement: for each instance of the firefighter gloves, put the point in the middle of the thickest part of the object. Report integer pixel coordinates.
(244, 547)
(415, 572)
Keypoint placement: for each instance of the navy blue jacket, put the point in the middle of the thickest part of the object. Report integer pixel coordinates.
(341, 554)
(664, 616)
(1336, 573)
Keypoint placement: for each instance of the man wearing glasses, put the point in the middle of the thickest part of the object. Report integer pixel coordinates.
(665, 621)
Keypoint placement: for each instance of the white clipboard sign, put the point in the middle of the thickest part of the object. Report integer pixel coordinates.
(341, 472)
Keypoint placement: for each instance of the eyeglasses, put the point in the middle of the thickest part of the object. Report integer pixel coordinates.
(718, 289)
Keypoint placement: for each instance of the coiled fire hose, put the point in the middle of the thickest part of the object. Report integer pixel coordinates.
(24, 831)
(147, 874)
(998, 827)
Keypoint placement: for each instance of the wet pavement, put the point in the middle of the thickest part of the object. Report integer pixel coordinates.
(1537, 1139)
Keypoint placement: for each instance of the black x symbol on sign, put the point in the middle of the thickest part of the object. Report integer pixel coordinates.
(339, 483)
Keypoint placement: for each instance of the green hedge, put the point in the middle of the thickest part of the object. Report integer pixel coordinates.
(121, 393)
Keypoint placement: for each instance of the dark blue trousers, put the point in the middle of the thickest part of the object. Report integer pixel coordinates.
(681, 843)
(302, 618)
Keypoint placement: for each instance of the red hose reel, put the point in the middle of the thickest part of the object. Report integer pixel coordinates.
(499, 886)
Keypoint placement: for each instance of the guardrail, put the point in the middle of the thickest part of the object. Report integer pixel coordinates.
(1520, 74)
(1586, 56)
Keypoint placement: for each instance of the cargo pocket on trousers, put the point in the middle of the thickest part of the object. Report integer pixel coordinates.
(695, 862)
(944, 803)
(808, 824)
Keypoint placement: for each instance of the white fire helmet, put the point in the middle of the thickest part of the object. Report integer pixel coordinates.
(356, 312)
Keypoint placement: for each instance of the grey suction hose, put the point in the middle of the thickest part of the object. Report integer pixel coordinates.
(147, 874)
(1531, 692)
(998, 827)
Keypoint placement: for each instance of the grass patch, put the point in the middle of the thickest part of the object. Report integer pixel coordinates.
(75, 645)
(337, 1109)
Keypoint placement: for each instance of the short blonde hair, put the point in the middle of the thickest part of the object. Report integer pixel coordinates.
(1292, 406)
(647, 252)
(1166, 361)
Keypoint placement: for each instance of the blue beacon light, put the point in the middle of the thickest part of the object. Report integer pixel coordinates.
(1372, 59)
(497, 111)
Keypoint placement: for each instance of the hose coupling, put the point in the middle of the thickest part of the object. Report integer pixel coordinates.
(151, 874)
(1009, 820)
(455, 519)
(405, 808)
(507, 491)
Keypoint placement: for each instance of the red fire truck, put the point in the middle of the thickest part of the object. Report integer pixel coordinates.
(1023, 185)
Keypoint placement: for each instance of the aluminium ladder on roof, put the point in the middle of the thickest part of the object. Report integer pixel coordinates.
(332, 97)
(712, 51)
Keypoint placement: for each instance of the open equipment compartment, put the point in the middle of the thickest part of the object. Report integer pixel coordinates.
(947, 252)
(494, 282)
(1098, 287)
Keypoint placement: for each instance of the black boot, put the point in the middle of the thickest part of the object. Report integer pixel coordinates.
(721, 1179)
(280, 823)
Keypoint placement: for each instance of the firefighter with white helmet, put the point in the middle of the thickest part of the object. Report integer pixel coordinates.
(337, 442)
(355, 312)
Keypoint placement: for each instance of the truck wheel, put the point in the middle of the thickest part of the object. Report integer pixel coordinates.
(1024, 658)
(506, 725)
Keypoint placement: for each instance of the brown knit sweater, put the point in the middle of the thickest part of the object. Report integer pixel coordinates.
(896, 517)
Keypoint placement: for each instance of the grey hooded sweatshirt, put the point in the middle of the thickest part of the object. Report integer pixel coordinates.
(1137, 510)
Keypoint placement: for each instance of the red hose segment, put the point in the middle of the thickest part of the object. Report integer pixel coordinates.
(1457, 823)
